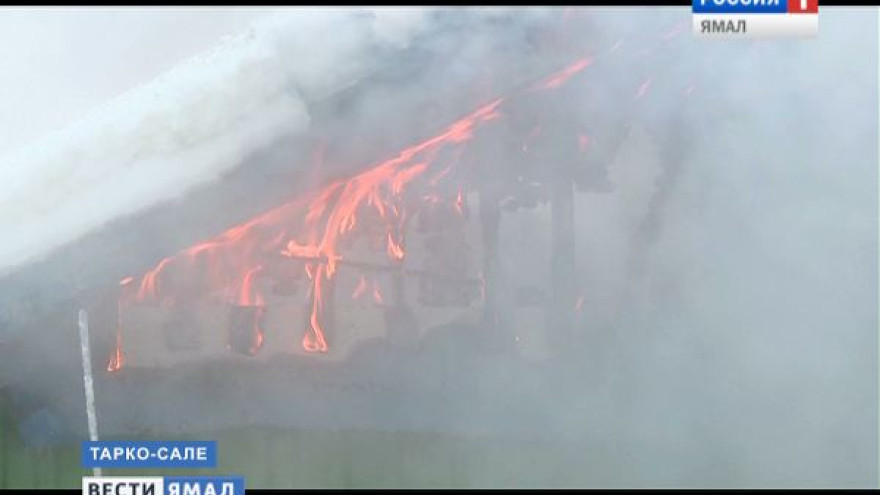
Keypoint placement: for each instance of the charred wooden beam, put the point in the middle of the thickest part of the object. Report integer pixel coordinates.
(490, 224)
(371, 266)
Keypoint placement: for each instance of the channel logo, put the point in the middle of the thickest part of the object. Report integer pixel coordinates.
(163, 485)
(750, 19)
(150, 455)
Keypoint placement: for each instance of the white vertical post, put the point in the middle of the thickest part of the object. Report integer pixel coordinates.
(87, 379)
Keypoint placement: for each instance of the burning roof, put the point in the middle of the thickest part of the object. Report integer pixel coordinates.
(377, 197)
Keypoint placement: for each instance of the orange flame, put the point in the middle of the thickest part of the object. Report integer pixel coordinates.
(437, 178)
(403, 178)
(294, 249)
(395, 251)
(377, 294)
(117, 359)
(459, 202)
(247, 295)
(313, 340)
(259, 339)
(323, 219)
(561, 77)
(360, 289)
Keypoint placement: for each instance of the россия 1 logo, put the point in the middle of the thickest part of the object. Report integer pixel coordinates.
(747, 19)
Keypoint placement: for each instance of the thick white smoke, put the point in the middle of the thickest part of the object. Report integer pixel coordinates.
(188, 126)
(729, 284)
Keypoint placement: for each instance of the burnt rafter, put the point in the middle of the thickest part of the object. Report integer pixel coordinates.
(380, 267)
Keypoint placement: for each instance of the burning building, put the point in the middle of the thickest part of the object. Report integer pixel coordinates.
(392, 244)
(446, 235)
